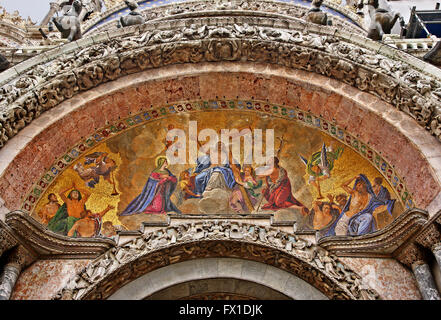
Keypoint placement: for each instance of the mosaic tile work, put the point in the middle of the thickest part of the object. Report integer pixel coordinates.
(110, 168)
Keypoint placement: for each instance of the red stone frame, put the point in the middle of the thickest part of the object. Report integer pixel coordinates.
(390, 132)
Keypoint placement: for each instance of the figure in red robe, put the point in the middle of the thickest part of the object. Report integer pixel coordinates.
(278, 191)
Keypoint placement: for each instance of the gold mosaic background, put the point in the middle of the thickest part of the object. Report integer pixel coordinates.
(135, 151)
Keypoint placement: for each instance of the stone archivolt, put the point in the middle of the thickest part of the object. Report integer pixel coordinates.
(45, 85)
(199, 8)
(152, 250)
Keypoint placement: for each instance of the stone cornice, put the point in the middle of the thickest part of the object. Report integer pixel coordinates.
(383, 243)
(48, 245)
(430, 236)
(417, 248)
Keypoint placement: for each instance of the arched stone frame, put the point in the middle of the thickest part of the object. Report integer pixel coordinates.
(342, 17)
(24, 113)
(216, 239)
(172, 281)
(49, 92)
(322, 97)
(397, 78)
(217, 289)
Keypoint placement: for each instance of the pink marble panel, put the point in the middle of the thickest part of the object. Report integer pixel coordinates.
(388, 277)
(43, 279)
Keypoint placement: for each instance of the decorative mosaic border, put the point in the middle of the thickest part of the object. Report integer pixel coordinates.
(262, 107)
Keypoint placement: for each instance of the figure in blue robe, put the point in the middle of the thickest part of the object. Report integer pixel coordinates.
(204, 173)
(155, 197)
(384, 194)
(363, 222)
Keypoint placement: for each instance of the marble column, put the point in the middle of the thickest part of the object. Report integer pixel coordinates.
(8, 279)
(17, 260)
(425, 281)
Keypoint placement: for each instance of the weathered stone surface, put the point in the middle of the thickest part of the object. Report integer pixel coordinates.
(216, 239)
(43, 278)
(425, 282)
(390, 279)
(405, 89)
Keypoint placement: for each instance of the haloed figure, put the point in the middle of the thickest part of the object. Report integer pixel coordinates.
(155, 197)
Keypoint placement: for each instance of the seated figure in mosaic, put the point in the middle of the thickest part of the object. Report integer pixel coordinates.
(207, 175)
(357, 217)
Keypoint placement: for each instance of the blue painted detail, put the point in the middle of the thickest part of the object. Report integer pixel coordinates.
(156, 3)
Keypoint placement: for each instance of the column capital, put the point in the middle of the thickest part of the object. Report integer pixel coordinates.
(430, 236)
(7, 241)
(412, 255)
(20, 258)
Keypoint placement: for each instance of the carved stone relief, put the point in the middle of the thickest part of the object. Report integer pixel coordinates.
(153, 250)
(46, 85)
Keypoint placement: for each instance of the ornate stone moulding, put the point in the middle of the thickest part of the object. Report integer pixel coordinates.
(382, 244)
(48, 245)
(208, 239)
(12, 32)
(7, 238)
(197, 9)
(44, 81)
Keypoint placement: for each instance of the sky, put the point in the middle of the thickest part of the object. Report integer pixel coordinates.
(36, 9)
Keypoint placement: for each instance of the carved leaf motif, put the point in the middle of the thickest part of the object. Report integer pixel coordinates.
(160, 248)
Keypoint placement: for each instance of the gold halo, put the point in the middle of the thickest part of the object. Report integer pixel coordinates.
(159, 158)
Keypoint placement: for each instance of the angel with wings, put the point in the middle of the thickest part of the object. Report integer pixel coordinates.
(102, 166)
(320, 164)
